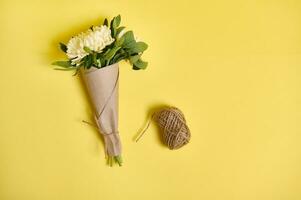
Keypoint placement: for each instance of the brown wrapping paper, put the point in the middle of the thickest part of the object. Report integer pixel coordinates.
(102, 86)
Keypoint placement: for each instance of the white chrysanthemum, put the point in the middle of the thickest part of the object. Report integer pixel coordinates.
(96, 40)
(75, 48)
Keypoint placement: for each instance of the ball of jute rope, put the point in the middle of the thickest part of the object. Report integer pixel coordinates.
(172, 124)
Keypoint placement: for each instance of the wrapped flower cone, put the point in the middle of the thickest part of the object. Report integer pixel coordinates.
(102, 86)
(95, 53)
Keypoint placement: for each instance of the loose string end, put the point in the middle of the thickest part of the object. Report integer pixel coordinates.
(145, 129)
(89, 123)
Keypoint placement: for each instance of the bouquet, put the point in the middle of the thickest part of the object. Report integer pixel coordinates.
(95, 53)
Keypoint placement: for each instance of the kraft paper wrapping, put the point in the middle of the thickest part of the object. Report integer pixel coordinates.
(102, 86)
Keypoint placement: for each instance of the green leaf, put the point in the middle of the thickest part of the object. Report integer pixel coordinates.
(119, 58)
(117, 20)
(138, 47)
(102, 62)
(128, 38)
(113, 27)
(140, 64)
(63, 47)
(106, 22)
(65, 69)
(112, 24)
(118, 31)
(120, 55)
(128, 45)
(110, 54)
(135, 68)
(65, 64)
(88, 61)
(119, 42)
(134, 59)
(88, 50)
(94, 60)
(100, 59)
(97, 63)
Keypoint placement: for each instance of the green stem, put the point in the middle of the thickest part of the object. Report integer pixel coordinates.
(114, 159)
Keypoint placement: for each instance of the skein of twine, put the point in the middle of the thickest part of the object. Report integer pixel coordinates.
(172, 125)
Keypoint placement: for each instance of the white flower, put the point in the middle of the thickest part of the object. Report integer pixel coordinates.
(96, 40)
(75, 48)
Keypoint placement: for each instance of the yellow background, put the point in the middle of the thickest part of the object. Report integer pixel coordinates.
(232, 66)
